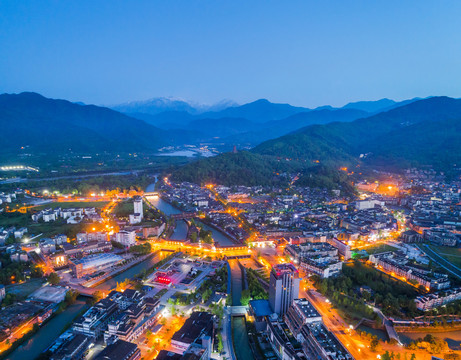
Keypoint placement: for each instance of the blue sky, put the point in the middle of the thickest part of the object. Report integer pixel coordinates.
(307, 53)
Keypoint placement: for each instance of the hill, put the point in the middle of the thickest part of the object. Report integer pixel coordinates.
(258, 111)
(242, 168)
(276, 128)
(338, 142)
(48, 126)
(424, 132)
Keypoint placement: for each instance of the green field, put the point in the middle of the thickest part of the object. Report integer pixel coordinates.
(72, 204)
(26, 288)
(47, 229)
(451, 254)
(124, 208)
(375, 249)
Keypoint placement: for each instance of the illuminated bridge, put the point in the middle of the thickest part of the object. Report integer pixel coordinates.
(184, 215)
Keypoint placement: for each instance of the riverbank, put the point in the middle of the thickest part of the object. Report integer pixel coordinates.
(180, 232)
(47, 333)
(453, 338)
(119, 271)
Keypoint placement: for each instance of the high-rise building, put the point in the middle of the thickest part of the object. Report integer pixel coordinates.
(283, 287)
(138, 206)
(126, 238)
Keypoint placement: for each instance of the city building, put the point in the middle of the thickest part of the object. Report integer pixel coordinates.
(126, 238)
(320, 258)
(283, 287)
(434, 300)
(319, 343)
(300, 313)
(343, 248)
(94, 263)
(399, 266)
(198, 329)
(120, 350)
(138, 206)
(72, 347)
(93, 322)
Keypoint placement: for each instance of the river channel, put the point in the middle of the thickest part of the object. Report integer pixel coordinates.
(180, 231)
(48, 333)
(51, 330)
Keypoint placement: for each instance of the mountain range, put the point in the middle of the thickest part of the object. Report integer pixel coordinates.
(49, 125)
(249, 124)
(419, 133)
(281, 137)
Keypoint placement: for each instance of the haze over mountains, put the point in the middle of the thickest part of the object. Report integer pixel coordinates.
(48, 125)
(412, 132)
(249, 124)
(418, 133)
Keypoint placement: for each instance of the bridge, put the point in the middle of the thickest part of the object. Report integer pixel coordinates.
(84, 291)
(238, 310)
(151, 193)
(388, 325)
(184, 215)
(245, 256)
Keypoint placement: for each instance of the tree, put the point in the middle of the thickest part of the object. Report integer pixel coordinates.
(246, 297)
(97, 295)
(452, 357)
(374, 345)
(220, 344)
(54, 278)
(71, 296)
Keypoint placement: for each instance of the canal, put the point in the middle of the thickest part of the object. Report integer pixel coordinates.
(48, 333)
(236, 282)
(240, 339)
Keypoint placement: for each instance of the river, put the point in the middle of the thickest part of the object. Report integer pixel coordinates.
(48, 333)
(240, 339)
(180, 231)
(236, 280)
(132, 272)
(453, 338)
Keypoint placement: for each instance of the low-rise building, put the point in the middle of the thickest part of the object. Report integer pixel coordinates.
(93, 322)
(94, 263)
(397, 265)
(434, 300)
(198, 327)
(120, 350)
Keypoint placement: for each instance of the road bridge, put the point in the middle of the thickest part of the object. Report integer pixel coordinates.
(388, 325)
(184, 216)
(238, 310)
(245, 256)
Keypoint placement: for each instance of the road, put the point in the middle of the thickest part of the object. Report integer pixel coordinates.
(227, 335)
(448, 266)
(335, 323)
